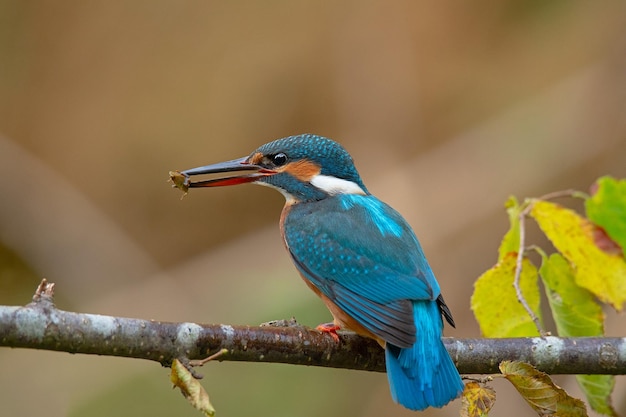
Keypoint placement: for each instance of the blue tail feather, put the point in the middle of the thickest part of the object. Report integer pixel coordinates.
(423, 375)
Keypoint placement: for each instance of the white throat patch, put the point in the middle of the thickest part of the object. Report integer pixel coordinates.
(333, 185)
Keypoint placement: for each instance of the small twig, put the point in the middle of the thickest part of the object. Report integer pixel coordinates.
(483, 380)
(562, 193)
(201, 362)
(518, 269)
(44, 291)
(292, 322)
(522, 249)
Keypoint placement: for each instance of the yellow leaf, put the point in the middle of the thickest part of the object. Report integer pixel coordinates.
(543, 395)
(477, 400)
(191, 388)
(604, 274)
(495, 303)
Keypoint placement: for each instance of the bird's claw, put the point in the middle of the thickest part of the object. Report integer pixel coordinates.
(329, 328)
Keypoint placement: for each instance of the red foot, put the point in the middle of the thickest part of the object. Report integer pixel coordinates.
(330, 328)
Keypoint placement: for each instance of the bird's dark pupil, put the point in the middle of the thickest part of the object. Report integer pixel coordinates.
(279, 159)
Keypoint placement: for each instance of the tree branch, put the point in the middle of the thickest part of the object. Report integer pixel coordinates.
(40, 325)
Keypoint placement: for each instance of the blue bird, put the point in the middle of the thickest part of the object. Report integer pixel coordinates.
(359, 256)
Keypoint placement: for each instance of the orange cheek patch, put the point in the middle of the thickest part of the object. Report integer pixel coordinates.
(303, 170)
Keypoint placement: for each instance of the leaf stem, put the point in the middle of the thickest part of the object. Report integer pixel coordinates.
(518, 267)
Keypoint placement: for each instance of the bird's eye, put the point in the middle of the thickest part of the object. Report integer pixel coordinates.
(279, 159)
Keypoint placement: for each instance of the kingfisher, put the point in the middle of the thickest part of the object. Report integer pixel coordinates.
(358, 254)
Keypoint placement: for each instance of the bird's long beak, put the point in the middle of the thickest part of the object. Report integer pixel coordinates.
(182, 180)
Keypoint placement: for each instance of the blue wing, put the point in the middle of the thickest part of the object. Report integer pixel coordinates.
(363, 256)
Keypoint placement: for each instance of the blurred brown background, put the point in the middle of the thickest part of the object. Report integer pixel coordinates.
(447, 108)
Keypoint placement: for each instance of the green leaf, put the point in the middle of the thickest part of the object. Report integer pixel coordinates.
(477, 400)
(607, 209)
(577, 314)
(597, 389)
(602, 273)
(191, 388)
(510, 241)
(574, 309)
(543, 395)
(495, 303)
